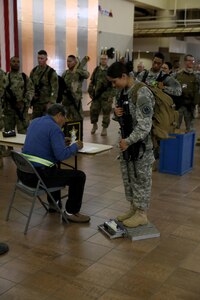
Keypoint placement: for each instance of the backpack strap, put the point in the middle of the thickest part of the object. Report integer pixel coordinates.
(50, 75)
(135, 89)
(34, 69)
(25, 83)
(145, 75)
(94, 75)
(161, 77)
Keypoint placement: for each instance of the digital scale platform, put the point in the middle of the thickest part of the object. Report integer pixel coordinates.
(115, 229)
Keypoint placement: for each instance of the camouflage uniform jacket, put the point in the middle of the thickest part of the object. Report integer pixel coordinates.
(23, 91)
(99, 86)
(45, 81)
(73, 81)
(141, 111)
(171, 86)
(3, 82)
(190, 86)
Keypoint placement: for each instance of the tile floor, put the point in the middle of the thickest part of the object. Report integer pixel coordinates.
(58, 261)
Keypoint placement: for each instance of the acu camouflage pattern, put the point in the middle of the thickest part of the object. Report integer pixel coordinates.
(73, 81)
(101, 101)
(171, 85)
(24, 93)
(47, 87)
(137, 175)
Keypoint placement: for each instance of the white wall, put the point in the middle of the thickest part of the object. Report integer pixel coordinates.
(177, 46)
(122, 20)
(116, 31)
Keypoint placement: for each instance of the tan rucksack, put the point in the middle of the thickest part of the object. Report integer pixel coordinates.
(165, 117)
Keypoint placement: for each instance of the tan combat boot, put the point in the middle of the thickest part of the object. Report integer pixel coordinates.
(94, 128)
(104, 132)
(139, 218)
(127, 214)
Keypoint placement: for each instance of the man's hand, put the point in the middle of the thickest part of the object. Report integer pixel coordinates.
(161, 85)
(123, 145)
(79, 144)
(48, 104)
(67, 141)
(118, 111)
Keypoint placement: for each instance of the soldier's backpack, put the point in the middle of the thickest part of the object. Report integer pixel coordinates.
(165, 117)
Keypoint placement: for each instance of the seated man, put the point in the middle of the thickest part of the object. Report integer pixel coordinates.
(44, 147)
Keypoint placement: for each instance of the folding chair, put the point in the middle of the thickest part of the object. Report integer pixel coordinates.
(24, 165)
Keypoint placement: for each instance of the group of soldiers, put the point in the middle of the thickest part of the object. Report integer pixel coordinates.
(182, 84)
(19, 92)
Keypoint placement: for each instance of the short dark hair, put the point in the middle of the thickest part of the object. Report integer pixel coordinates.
(159, 55)
(55, 109)
(72, 56)
(118, 68)
(188, 55)
(13, 57)
(168, 64)
(42, 52)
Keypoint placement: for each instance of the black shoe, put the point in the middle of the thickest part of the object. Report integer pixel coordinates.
(53, 209)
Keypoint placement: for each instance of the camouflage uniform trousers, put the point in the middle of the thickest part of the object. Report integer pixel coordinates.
(138, 180)
(1, 117)
(11, 120)
(1, 127)
(98, 105)
(188, 115)
(39, 110)
(72, 114)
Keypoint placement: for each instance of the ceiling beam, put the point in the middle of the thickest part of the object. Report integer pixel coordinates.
(167, 32)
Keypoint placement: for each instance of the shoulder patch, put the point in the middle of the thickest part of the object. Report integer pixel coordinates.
(146, 110)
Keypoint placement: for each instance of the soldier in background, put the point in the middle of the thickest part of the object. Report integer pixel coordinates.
(101, 92)
(155, 76)
(140, 68)
(18, 94)
(190, 93)
(167, 83)
(2, 89)
(73, 78)
(167, 67)
(3, 81)
(45, 82)
(176, 66)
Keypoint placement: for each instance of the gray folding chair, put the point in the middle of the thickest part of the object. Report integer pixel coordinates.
(24, 165)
